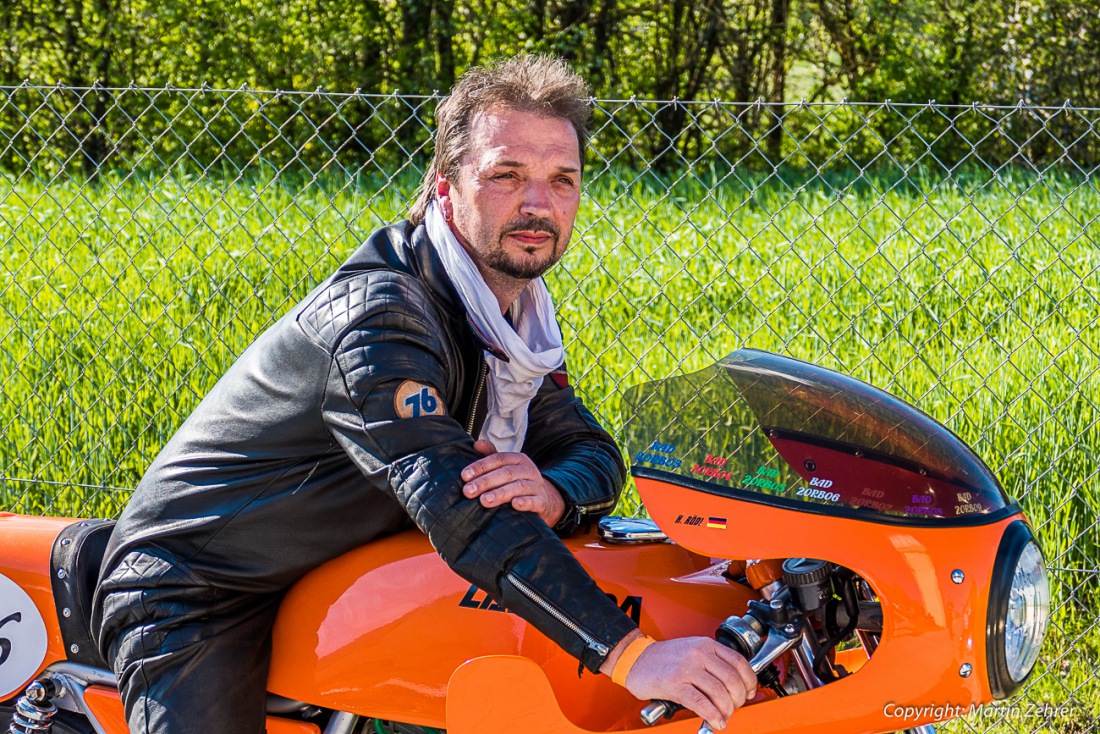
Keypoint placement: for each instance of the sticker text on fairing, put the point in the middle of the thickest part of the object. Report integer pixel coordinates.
(818, 494)
(475, 598)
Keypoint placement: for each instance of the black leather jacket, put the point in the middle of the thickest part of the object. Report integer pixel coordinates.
(298, 454)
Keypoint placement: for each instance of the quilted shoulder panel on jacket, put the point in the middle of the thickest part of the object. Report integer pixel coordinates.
(345, 302)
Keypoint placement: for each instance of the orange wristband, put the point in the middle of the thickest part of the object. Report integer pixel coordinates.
(630, 656)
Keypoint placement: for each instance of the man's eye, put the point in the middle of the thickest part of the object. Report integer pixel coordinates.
(503, 176)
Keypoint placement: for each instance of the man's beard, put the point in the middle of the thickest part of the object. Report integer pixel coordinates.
(505, 263)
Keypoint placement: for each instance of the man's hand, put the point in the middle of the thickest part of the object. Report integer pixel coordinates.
(695, 672)
(501, 478)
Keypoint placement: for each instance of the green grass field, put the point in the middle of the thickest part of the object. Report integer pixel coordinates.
(974, 297)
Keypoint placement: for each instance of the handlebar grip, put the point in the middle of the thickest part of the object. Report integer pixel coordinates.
(659, 709)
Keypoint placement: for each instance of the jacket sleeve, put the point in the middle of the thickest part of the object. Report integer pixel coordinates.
(574, 452)
(395, 345)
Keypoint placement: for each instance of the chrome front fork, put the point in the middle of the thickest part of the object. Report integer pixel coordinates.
(341, 723)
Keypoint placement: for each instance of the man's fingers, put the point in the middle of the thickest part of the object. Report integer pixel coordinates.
(494, 480)
(485, 448)
(507, 492)
(727, 676)
(492, 462)
(503, 477)
(716, 692)
(744, 670)
(530, 503)
(695, 700)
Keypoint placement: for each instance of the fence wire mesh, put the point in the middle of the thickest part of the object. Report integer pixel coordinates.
(947, 254)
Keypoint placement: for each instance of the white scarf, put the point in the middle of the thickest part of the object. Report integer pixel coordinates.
(534, 346)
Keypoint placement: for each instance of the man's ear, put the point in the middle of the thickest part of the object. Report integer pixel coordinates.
(442, 186)
(443, 195)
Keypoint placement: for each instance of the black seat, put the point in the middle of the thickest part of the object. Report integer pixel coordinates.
(74, 570)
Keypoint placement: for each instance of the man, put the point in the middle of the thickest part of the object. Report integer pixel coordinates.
(359, 409)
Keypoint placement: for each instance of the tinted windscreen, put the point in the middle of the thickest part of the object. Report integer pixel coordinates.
(778, 427)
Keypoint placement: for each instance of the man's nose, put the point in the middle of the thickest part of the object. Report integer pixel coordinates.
(536, 199)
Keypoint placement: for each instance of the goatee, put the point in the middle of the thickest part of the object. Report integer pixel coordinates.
(499, 259)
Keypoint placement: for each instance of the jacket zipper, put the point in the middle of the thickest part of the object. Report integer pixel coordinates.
(580, 512)
(596, 506)
(483, 369)
(590, 642)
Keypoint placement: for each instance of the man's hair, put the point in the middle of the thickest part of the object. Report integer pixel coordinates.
(540, 84)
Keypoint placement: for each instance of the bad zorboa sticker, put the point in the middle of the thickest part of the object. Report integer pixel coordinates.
(22, 638)
(413, 400)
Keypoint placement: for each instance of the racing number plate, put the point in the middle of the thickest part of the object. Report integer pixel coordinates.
(22, 638)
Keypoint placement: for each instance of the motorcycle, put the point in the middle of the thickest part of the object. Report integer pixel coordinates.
(855, 551)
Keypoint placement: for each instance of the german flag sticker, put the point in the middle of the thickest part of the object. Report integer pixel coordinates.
(716, 522)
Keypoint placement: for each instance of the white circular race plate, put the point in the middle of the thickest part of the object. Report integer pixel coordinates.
(22, 638)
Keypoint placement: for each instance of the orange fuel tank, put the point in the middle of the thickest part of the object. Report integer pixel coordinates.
(379, 631)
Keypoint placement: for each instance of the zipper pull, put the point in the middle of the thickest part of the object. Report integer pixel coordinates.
(602, 650)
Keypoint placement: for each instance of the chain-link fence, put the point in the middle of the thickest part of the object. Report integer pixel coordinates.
(948, 254)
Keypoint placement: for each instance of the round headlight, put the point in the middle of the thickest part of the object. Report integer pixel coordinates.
(1028, 613)
(1019, 609)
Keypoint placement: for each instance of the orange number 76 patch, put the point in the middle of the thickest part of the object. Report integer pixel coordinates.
(413, 400)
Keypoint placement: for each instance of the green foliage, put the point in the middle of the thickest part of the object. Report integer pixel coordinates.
(777, 51)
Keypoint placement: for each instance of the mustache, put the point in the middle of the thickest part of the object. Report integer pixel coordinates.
(532, 224)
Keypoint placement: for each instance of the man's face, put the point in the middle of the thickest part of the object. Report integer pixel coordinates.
(517, 192)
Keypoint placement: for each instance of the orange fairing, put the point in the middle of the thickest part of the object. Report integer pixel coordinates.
(477, 702)
(379, 631)
(932, 626)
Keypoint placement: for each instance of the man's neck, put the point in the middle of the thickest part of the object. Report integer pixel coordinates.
(505, 288)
